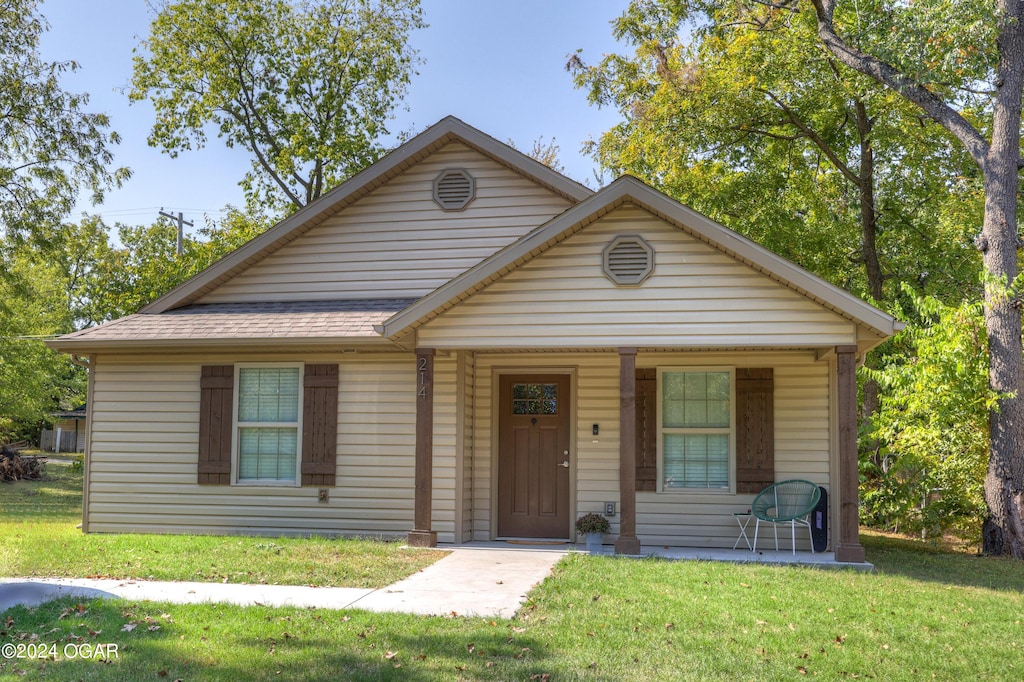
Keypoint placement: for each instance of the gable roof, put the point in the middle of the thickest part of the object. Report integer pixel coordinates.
(447, 130)
(629, 190)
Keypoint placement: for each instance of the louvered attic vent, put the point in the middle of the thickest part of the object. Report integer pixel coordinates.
(628, 260)
(454, 189)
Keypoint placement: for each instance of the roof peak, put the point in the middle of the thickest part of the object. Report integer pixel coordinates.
(434, 137)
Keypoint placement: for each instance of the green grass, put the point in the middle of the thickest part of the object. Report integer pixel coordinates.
(922, 615)
(56, 499)
(38, 537)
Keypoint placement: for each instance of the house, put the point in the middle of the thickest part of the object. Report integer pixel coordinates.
(68, 432)
(460, 344)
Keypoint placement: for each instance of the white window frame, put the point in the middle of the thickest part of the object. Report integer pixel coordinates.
(731, 431)
(235, 426)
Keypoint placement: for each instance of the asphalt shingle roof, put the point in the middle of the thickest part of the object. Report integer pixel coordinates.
(301, 319)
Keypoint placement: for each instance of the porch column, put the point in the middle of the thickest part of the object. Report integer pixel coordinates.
(421, 535)
(627, 542)
(848, 548)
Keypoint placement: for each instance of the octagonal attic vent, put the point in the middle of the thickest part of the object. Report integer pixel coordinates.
(454, 189)
(628, 260)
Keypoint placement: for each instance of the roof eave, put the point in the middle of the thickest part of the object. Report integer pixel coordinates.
(86, 345)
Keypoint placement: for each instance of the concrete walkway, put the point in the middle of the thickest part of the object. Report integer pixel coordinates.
(487, 579)
(471, 581)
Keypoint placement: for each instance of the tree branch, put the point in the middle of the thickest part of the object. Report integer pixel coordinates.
(813, 136)
(886, 74)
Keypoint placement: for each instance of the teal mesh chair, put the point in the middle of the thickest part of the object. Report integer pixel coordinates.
(785, 502)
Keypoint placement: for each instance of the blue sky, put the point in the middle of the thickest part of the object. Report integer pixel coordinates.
(497, 65)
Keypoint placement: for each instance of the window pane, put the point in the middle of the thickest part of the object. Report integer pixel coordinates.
(695, 400)
(673, 385)
(534, 398)
(267, 453)
(695, 413)
(268, 394)
(695, 461)
(696, 386)
(718, 385)
(718, 413)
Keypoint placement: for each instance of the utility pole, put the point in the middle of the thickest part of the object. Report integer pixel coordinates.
(181, 226)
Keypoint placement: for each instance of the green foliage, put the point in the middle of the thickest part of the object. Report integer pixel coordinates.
(58, 286)
(592, 523)
(35, 379)
(306, 88)
(734, 109)
(146, 265)
(50, 147)
(932, 424)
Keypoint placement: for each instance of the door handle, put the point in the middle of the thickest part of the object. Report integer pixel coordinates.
(564, 464)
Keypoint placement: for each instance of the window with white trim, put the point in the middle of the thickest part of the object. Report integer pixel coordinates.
(268, 413)
(695, 429)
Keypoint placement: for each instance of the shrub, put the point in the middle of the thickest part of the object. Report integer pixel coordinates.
(592, 523)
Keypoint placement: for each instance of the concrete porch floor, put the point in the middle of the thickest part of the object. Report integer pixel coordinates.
(761, 556)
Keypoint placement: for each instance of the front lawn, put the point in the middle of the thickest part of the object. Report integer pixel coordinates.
(922, 615)
(38, 537)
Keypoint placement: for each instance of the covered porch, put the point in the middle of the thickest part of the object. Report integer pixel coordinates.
(603, 426)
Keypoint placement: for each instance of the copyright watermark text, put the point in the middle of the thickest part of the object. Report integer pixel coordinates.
(44, 650)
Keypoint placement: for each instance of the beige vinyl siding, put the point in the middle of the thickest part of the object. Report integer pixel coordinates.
(697, 296)
(689, 519)
(144, 442)
(465, 397)
(444, 466)
(396, 242)
(802, 441)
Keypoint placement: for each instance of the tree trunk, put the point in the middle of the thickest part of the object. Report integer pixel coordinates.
(1003, 530)
(868, 215)
(869, 249)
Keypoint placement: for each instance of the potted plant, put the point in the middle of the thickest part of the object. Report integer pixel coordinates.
(594, 526)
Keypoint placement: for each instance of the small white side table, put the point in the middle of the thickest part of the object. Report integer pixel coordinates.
(742, 519)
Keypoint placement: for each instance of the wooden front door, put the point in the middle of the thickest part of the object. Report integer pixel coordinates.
(533, 456)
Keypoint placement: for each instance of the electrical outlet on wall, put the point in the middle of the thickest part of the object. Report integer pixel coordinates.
(609, 509)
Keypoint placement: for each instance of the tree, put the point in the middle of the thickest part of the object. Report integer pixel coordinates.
(35, 379)
(50, 147)
(544, 152)
(949, 59)
(306, 88)
(961, 66)
(146, 265)
(765, 131)
(932, 423)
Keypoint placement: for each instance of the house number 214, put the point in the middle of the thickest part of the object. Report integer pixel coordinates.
(422, 392)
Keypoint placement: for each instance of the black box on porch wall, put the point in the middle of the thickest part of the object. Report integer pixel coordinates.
(819, 523)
